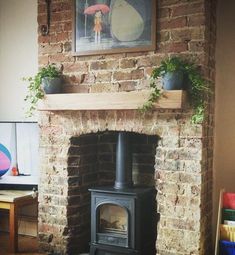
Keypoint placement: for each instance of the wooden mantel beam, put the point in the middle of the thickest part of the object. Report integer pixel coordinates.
(175, 99)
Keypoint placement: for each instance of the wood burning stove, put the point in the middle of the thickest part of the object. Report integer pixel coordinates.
(122, 217)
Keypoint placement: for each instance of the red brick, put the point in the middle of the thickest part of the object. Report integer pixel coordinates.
(196, 20)
(197, 57)
(127, 63)
(64, 36)
(60, 7)
(41, 9)
(149, 61)
(127, 86)
(148, 71)
(136, 54)
(164, 3)
(173, 47)
(59, 37)
(79, 67)
(164, 13)
(89, 78)
(57, 27)
(137, 74)
(187, 34)
(103, 77)
(163, 36)
(120, 76)
(144, 61)
(42, 19)
(60, 58)
(197, 46)
(156, 59)
(61, 16)
(43, 39)
(43, 60)
(189, 8)
(104, 65)
(72, 79)
(67, 26)
(98, 65)
(50, 49)
(173, 23)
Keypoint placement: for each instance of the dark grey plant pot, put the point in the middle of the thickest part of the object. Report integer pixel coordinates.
(52, 85)
(187, 83)
(173, 81)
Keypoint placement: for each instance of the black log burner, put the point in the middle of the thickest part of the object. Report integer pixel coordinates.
(122, 220)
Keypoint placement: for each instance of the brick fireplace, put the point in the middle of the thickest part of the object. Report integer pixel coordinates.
(77, 147)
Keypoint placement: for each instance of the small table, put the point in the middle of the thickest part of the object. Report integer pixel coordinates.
(12, 200)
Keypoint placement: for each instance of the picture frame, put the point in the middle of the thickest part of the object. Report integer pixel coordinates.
(113, 26)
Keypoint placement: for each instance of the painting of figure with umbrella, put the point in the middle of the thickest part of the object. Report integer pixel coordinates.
(112, 26)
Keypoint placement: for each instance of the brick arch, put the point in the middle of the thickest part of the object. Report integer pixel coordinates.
(177, 174)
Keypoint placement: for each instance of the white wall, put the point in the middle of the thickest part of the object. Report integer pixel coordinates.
(18, 58)
(224, 158)
(18, 54)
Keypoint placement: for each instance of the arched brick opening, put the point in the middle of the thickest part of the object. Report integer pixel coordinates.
(180, 164)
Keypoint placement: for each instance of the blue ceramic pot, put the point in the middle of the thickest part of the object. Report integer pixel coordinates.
(173, 81)
(52, 85)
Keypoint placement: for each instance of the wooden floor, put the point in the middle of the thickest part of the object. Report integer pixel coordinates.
(27, 245)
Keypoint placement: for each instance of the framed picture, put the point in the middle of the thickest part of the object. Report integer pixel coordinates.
(113, 26)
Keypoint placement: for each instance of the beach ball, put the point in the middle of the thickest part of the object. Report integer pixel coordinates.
(5, 160)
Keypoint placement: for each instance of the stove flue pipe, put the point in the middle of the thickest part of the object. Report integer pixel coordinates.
(123, 162)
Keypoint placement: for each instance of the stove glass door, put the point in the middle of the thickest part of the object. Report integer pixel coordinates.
(113, 219)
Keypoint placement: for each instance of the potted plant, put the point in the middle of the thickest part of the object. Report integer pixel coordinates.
(180, 74)
(48, 80)
(172, 72)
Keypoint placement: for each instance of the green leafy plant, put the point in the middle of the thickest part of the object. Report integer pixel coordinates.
(154, 96)
(35, 91)
(195, 84)
(169, 65)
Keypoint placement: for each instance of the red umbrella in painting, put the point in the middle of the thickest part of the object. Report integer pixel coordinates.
(97, 7)
(98, 10)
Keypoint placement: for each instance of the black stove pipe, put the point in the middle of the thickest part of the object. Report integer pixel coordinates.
(123, 162)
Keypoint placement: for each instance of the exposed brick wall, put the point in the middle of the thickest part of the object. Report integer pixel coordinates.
(91, 162)
(107, 158)
(180, 30)
(208, 128)
(144, 151)
(177, 173)
(184, 156)
(82, 175)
